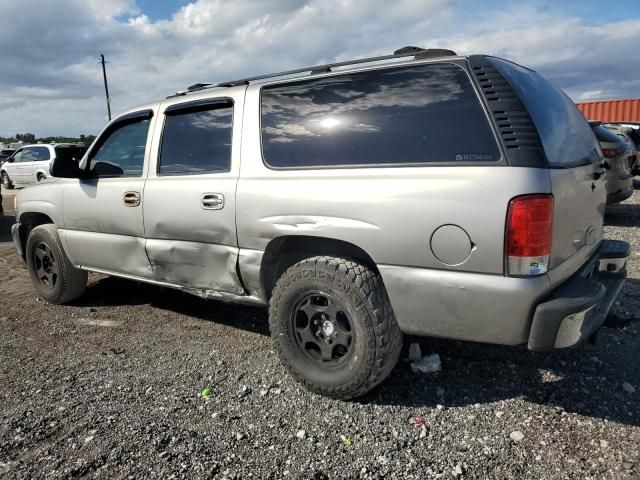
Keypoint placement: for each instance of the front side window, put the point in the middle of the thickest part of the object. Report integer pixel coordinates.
(404, 115)
(17, 157)
(197, 141)
(28, 155)
(121, 153)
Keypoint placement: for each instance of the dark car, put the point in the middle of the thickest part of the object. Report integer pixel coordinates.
(5, 153)
(631, 133)
(619, 159)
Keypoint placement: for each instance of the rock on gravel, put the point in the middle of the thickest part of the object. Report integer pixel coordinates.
(627, 387)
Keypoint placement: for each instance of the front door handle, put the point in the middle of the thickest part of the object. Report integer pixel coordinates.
(212, 201)
(132, 199)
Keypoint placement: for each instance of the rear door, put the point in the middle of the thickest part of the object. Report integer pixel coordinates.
(190, 194)
(575, 166)
(42, 158)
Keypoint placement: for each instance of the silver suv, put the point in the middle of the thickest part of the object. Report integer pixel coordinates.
(421, 192)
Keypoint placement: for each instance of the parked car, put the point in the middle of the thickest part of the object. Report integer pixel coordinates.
(30, 164)
(422, 192)
(4, 154)
(631, 134)
(619, 161)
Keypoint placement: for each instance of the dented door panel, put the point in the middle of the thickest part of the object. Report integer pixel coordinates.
(195, 264)
(189, 219)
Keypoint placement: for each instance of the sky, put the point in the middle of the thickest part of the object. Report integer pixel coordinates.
(51, 81)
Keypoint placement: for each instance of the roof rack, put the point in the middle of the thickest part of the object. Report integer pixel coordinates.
(418, 53)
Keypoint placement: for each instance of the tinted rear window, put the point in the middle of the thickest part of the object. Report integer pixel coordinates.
(565, 133)
(75, 153)
(196, 142)
(603, 134)
(407, 115)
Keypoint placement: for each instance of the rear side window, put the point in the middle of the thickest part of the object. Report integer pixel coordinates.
(196, 141)
(565, 133)
(409, 115)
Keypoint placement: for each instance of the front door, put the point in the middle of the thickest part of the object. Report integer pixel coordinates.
(189, 197)
(103, 228)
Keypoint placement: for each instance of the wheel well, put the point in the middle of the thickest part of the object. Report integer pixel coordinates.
(29, 221)
(283, 252)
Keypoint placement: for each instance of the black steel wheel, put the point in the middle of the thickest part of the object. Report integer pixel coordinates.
(322, 329)
(53, 275)
(333, 326)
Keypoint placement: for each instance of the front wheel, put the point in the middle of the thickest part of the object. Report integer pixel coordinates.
(333, 326)
(6, 181)
(54, 277)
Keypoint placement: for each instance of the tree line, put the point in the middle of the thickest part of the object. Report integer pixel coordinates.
(31, 138)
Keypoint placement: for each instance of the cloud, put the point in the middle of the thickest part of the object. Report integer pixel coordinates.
(51, 82)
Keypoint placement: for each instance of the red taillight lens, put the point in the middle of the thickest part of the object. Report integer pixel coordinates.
(609, 152)
(528, 234)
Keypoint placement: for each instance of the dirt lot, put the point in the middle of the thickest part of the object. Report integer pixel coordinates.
(109, 387)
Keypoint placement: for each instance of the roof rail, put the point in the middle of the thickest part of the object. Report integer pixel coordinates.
(418, 53)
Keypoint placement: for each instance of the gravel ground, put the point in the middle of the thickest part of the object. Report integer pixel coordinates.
(109, 387)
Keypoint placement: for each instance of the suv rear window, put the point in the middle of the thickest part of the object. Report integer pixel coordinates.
(404, 115)
(73, 152)
(565, 133)
(603, 134)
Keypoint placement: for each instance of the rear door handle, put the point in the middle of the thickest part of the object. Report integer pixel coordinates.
(131, 199)
(212, 201)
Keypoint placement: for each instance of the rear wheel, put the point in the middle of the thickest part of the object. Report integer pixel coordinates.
(40, 177)
(6, 181)
(333, 327)
(52, 274)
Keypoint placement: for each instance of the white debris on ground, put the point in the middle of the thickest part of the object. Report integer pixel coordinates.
(427, 364)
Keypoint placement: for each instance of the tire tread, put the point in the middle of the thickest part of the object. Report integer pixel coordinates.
(367, 286)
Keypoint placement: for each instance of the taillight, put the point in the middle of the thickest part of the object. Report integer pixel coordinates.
(609, 152)
(528, 234)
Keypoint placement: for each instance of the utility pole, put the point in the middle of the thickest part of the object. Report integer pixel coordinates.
(106, 87)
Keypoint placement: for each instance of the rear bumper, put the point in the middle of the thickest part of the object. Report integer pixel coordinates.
(578, 307)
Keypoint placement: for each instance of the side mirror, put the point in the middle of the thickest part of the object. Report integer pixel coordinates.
(65, 167)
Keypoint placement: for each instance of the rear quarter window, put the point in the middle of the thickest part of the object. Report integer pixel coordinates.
(565, 133)
(396, 116)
